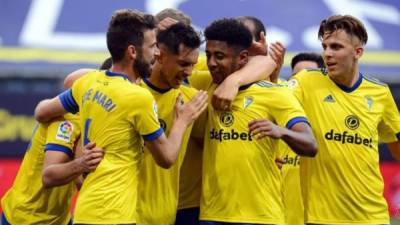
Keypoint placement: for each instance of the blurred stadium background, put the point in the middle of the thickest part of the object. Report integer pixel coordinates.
(41, 41)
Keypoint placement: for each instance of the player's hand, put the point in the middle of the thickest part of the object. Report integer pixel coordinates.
(277, 53)
(166, 23)
(279, 162)
(259, 47)
(225, 93)
(262, 128)
(192, 110)
(91, 157)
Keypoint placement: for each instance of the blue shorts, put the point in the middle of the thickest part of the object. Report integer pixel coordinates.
(189, 216)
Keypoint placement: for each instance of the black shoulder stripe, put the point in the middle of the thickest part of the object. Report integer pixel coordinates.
(263, 83)
(374, 80)
(324, 71)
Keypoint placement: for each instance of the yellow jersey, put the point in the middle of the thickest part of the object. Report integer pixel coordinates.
(291, 190)
(241, 182)
(27, 201)
(159, 188)
(117, 115)
(343, 183)
(190, 175)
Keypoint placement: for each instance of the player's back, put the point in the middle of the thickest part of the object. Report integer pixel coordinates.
(27, 201)
(114, 116)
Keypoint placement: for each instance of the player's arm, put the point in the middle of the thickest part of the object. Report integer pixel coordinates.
(394, 148)
(389, 126)
(75, 75)
(165, 149)
(57, 106)
(298, 136)
(59, 169)
(258, 68)
(51, 108)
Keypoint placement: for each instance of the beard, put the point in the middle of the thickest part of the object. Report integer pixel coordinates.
(142, 66)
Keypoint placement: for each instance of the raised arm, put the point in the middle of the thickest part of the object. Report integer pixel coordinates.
(165, 149)
(49, 109)
(258, 68)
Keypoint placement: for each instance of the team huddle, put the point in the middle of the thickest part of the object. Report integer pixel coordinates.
(161, 135)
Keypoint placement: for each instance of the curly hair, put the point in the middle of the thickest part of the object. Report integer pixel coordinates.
(231, 31)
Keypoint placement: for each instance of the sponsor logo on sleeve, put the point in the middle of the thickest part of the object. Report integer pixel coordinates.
(64, 131)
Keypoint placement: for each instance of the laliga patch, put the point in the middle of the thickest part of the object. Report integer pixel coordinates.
(64, 131)
(292, 83)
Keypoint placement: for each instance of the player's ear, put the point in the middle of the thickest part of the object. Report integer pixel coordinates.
(359, 50)
(131, 52)
(243, 58)
(161, 53)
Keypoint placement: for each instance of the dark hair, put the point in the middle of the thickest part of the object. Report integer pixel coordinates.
(126, 28)
(307, 56)
(349, 24)
(174, 14)
(178, 34)
(258, 26)
(106, 64)
(231, 31)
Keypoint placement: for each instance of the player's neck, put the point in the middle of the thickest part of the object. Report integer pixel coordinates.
(155, 77)
(347, 79)
(123, 68)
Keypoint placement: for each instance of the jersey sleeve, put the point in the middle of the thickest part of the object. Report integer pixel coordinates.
(146, 118)
(389, 127)
(62, 135)
(288, 111)
(69, 98)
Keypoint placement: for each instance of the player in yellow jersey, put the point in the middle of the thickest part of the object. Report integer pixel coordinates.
(178, 52)
(349, 113)
(241, 183)
(118, 116)
(36, 200)
(306, 60)
(190, 187)
(291, 191)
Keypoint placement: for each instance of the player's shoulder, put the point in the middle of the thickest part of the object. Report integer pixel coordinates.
(186, 89)
(268, 84)
(136, 93)
(374, 81)
(311, 73)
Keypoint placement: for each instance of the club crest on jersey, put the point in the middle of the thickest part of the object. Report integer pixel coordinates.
(292, 83)
(247, 101)
(369, 101)
(226, 119)
(352, 122)
(155, 109)
(329, 98)
(64, 131)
